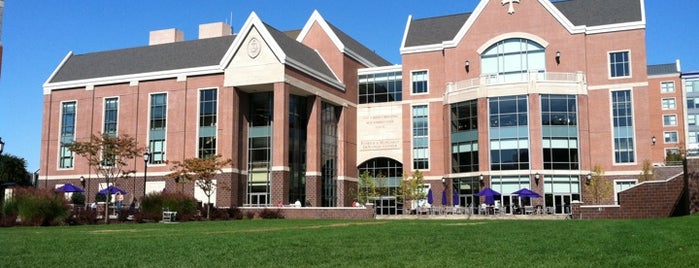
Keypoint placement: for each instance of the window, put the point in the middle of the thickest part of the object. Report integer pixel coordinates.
(559, 131)
(259, 149)
(158, 122)
(692, 103)
(669, 104)
(509, 133)
(207, 122)
(667, 87)
(620, 185)
(669, 120)
(511, 60)
(330, 115)
(692, 120)
(68, 114)
(464, 136)
(421, 148)
(111, 111)
(419, 79)
(671, 137)
(692, 86)
(380, 87)
(619, 64)
(623, 127)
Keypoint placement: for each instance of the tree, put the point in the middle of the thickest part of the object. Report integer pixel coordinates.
(14, 169)
(367, 187)
(108, 156)
(597, 186)
(201, 171)
(646, 172)
(411, 186)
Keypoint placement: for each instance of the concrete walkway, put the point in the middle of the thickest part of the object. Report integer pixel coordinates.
(471, 217)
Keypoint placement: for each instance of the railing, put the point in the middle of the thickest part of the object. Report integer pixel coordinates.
(500, 79)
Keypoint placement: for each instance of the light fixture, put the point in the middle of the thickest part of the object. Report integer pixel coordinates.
(653, 140)
(467, 65)
(444, 180)
(536, 178)
(589, 178)
(480, 177)
(558, 57)
(2, 145)
(82, 181)
(146, 159)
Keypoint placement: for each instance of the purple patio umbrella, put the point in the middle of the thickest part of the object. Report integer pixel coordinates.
(111, 190)
(69, 188)
(430, 199)
(444, 197)
(524, 192)
(456, 197)
(489, 195)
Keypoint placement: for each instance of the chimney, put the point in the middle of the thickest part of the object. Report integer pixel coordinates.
(165, 36)
(215, 29)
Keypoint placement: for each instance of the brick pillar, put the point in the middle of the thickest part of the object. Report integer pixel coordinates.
(314, 190)
(280, 187)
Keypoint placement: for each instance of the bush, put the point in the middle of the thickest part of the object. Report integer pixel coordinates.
(77, 198)
(36, 207)
(271, 214)
(153, 204)
(82, 216)
(249, 215)
(235, 213)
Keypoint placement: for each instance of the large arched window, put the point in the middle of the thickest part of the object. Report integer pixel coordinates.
(511, 59)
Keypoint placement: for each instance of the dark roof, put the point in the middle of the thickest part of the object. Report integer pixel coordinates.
(358, 48)
(293, 33)
(600, 12)
(434, 30)
(660, 69)
(300, 52)
(155, 58)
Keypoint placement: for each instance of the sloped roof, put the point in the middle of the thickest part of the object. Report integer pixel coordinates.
(434, 30)
(358, 48)
(600, 12)
(660, 69)
(147, 59)
(300, 52)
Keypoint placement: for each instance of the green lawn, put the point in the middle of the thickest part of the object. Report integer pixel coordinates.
(397, 243)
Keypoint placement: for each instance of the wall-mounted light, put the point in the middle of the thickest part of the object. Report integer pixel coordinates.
(444, 180)
(536, 178)
(558, 57)
(82, 181)
(589, 178)
(467, 65)
(653, 140)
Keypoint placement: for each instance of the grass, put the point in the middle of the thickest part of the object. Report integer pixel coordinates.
(670, 242)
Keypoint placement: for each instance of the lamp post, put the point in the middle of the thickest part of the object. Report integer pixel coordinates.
(146, 158)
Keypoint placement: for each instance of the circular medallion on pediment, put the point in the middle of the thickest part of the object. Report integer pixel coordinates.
(254, 48)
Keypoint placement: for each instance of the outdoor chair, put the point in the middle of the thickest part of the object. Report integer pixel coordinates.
(169, 216)
(528, 210)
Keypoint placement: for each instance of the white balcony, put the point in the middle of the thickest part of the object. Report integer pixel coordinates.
(516, 84)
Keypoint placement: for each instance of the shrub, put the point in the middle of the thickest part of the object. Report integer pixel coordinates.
(77, 198)
(82, 216)
(153, 204)
(271, 214)
(235, 213)
(249, 215)
(38, 207)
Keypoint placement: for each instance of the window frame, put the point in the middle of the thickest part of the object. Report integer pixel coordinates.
(665, 137)
(633, 125)
(164, 129)
(669, 107)
(616, 192)
(609, 64)
(412, 136)
(662, 91)
(61, 148)
(668, 116)
(427, 82)
(199, 149)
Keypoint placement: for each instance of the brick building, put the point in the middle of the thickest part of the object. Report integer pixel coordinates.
(514, 94)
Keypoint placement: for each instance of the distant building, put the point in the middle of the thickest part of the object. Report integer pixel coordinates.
(526, 94)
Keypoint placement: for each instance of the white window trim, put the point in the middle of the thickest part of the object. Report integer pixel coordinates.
(60, 128)
(412, 138)
(633, 121)
(616, 193)
(676, 134)
(668, 109)
(412, 92)
(218, 106)
(609, 63)
(675, 115)
(167, 102)
(673, 87)
(104, 102)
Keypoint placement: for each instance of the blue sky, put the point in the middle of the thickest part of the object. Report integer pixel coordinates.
(37, 35)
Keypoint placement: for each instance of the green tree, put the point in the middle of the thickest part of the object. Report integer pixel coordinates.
(597, 186)
(201, 171)
(411, 187)
(108, 156)
(367, 187)
(14, 169)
